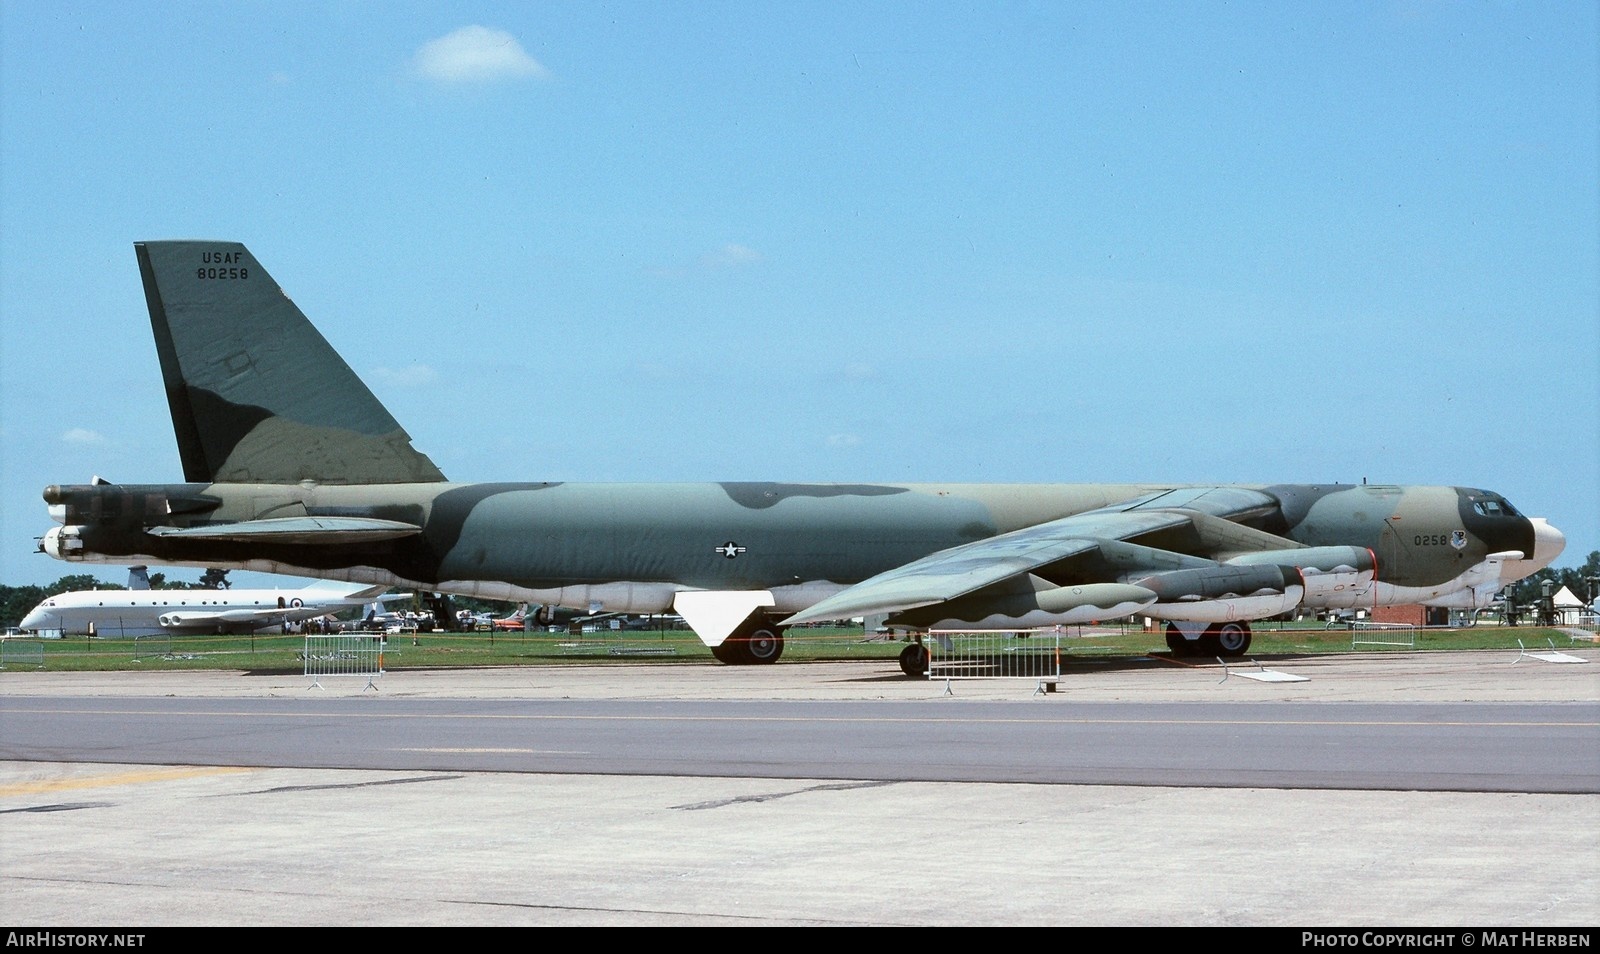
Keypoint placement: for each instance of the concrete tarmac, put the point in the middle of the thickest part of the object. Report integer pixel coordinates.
(113, 845)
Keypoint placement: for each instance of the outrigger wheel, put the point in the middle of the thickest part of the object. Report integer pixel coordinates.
(754, 643)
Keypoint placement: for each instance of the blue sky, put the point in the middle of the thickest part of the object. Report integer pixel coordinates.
(1252, 242)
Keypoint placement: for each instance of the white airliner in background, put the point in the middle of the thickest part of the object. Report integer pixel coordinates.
(147, 612)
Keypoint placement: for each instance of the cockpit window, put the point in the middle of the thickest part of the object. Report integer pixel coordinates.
(1494, 507)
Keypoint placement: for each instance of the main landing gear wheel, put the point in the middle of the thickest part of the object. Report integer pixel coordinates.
(764, 644)
(751, 644)
(1175, 641)
(1227, 639)
(914, 660)
(729, 652)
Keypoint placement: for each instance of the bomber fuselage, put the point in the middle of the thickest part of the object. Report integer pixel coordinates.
(630, 546)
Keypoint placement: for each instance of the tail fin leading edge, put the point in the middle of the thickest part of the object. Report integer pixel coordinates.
(257, 394)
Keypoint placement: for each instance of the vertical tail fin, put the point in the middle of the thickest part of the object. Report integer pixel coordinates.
(257, 394)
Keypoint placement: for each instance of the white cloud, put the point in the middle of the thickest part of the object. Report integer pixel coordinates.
(843, 440)
(82, 436)
(730, 255)
(475, 54)
(415, 376)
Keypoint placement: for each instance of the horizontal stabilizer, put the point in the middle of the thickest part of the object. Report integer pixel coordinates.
(329, 531)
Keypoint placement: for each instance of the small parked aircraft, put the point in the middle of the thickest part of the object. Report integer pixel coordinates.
(147, 612)
(513, 623)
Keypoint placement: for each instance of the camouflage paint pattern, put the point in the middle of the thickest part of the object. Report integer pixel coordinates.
(535, 537)
(293, 466)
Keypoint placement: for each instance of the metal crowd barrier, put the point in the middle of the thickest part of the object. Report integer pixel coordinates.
(1020, 655)
(1400, 631)
(153, 645)
(21, 652)
(352, 654)
(602, 642)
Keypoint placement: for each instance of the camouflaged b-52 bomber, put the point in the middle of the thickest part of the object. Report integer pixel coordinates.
(292, 466)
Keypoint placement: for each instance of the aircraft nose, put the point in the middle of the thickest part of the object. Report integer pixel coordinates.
(1548, 542)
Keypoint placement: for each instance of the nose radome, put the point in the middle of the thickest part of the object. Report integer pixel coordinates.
(1548, 542)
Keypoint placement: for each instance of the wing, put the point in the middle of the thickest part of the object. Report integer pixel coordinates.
(239, 619)
(958, 571)
(337, 593)
(1102, 564)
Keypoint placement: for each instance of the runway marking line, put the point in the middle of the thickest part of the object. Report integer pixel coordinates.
(458, 751)
(140, 777)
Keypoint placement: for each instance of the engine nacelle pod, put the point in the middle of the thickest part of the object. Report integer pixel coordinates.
(1093, 602)
(1228, 610)
(1332, 576)
(1219, 594)
(63, 543)
(1051, 606)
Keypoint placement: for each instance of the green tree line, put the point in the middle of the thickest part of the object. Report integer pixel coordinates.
(1582, 580)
